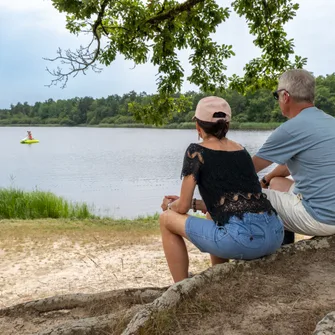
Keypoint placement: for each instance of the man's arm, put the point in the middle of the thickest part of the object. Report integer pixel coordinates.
(260, 163)
(278, 171)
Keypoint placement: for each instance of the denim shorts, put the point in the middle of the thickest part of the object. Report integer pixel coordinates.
(253, 236)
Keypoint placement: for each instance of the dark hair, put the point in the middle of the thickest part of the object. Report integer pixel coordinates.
(218, 129)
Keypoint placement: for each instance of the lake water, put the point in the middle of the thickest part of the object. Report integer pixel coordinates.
(123, 172)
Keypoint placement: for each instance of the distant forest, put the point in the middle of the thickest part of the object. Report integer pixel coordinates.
(258, 106)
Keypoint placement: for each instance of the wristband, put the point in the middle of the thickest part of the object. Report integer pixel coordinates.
(266, 183)
(194, 205)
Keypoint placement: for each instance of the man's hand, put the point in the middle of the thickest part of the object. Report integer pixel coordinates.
(264, 182)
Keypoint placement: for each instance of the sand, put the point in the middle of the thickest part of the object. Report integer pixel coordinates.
(29, 271)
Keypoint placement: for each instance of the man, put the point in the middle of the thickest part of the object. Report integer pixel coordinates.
(304, 147)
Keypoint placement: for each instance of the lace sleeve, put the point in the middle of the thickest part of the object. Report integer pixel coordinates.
(192, 162)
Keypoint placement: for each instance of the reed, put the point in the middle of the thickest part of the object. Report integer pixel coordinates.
(19, 204)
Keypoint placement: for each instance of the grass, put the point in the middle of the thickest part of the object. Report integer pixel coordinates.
(19, 204)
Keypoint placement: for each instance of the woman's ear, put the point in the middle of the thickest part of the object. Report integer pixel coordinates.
(198, 130)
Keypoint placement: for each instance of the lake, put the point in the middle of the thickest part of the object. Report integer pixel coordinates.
(121, 172)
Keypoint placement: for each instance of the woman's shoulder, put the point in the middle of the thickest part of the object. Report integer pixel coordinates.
(232, 148)
(193, 147)
(236, 149)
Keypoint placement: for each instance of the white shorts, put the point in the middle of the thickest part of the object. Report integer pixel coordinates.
(294, 215)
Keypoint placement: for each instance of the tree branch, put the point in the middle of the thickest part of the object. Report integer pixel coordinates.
(83, 58)
(172, 13)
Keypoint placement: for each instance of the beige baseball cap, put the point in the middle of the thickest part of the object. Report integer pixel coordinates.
(208, 106)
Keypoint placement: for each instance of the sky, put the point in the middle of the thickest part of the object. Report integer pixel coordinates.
(31, 30)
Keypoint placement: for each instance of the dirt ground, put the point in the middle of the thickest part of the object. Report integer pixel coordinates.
(289, 297)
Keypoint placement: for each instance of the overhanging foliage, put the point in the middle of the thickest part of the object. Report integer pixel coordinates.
(153, 31)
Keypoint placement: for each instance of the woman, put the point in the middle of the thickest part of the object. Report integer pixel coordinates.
(241, 223)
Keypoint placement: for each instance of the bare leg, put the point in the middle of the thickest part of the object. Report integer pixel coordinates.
(172, 227)
(217, 260)
(214, 259)
(281, 184)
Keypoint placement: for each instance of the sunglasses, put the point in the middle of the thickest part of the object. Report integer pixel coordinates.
(276, 95)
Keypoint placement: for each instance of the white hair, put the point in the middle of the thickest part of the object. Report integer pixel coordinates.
(300, 84)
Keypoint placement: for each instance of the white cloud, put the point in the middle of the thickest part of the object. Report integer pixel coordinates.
(37, 29)
(39, 14)
(24, 5)
(311, 30)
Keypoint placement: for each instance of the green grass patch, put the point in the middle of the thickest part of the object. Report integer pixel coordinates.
(18, 204)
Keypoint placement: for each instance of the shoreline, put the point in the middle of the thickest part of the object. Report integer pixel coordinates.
(247, 126)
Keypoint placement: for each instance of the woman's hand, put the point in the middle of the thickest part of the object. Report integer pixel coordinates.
(172, 197)
(168, 199)
(200, 205)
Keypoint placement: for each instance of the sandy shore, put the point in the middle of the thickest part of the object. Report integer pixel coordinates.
(29, 271)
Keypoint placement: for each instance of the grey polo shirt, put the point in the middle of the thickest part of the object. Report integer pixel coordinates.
(306, 144)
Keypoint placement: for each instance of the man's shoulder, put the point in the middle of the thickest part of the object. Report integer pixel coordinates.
(305, 124)
(312, 117)
(305, 121)
(289, 126)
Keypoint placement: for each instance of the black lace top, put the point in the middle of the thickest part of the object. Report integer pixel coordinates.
(227, 181)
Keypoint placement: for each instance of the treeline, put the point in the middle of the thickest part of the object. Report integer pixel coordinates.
(256, 106)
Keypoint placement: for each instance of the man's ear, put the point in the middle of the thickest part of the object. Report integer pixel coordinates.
(287, 97)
